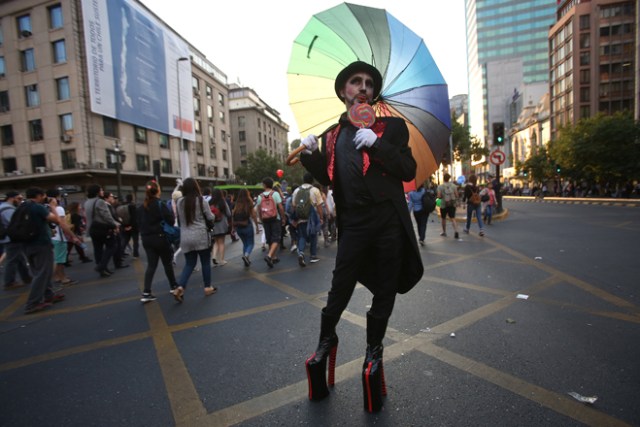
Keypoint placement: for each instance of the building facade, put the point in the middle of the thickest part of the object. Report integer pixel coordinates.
(49, 135)
(255, 125)
(507, 50)
(593, 60)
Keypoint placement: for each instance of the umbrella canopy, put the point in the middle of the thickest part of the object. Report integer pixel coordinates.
(413, 88)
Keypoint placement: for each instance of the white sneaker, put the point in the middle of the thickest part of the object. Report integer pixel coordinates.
(294, 248)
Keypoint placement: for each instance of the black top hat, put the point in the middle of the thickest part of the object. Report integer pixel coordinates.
(358, 67)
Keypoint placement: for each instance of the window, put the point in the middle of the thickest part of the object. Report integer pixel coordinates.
(585, 58)
(6, 133)
(1, 36)
(220, 99)
(140, 135)
(28, 60)
(165, 166)
(221, 116)
(195, 83)
(24, 26)
(32, 95)
(163, 140)
(59, 52)
(585, 94)
(209, 92)
(585, 22)
(585, 76)
(62, 84)
(4, 101)
(243, 150)
(199, 148)
(68, 159)
(37, 161)
(3, 70)
(212, 134)
(224, 155)
(35, 130)
(201, 170)
(585, 41)
(242, 136)
(197, 126)
(55, 17)
(66, 123)
(9, 164)
(241, 121)
(142, 162)
(223, 136)
(210, 113)
(110, 127)
(196, 106)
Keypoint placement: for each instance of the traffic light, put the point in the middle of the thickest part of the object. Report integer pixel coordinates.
(557, 168)
(498, 133)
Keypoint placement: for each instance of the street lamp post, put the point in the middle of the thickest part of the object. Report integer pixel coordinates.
(118, 166)
(184, 151)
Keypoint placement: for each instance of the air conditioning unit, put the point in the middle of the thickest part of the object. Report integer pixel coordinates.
(98, 165)
(65, 138)
(40, 169)
(212, 168)
(18, 172)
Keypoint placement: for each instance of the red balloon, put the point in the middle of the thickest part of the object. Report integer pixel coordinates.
(279, 172)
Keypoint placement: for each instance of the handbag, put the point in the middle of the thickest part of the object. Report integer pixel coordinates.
(209, 223)
(171, 232)
(99, 229)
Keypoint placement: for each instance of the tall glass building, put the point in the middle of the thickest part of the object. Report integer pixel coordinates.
(507, 58)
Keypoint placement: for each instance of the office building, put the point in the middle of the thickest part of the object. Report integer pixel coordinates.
(507, 53)
(593, 59)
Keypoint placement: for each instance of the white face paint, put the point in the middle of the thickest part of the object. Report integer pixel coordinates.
(358, 89)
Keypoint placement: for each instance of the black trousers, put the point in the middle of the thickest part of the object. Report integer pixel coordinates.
(158, 248)
(103, 249)
(371, 237)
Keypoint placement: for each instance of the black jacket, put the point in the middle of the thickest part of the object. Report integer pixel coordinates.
(150, 220)
(391, 163)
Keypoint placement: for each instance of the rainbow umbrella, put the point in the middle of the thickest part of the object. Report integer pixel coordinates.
(413, 88)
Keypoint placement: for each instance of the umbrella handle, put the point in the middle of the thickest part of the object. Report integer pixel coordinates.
(293, 159)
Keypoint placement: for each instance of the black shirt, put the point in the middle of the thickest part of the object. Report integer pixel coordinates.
(348, 167)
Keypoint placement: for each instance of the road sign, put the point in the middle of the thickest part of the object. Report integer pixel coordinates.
(497, 157)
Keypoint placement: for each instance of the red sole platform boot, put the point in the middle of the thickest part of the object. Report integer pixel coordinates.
(316, 365)
(373, 382)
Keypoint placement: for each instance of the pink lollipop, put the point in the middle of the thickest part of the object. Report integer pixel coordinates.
(361, 115)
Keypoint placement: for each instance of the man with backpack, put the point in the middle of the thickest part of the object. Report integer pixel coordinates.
(15, 262)
(30, 227)
(307, 202)
(448, 194)
(271, 214)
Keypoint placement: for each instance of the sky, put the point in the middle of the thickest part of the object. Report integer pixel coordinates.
(250, 40)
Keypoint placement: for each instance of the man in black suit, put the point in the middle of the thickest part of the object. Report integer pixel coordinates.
(376, 242)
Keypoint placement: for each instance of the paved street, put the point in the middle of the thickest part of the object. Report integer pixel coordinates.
(464, 348)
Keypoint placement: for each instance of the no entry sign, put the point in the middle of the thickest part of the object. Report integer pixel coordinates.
(497, 157)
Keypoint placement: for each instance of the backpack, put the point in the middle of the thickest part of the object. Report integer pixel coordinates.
(216, 212)
(22, 227)
(428, 201)
(474, 199)
(123, 212)
(448, 194)
(268, 209)
(302, 201)
(3, 227)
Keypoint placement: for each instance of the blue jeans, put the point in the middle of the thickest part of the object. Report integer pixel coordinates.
(304, 237)
(477, 210)
(191, 258)
(247, 236)
(488, 212)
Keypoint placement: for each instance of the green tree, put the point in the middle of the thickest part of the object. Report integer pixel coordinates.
(602, 149)
(259, 165)
(465, 146)
(537, 166)
(293, 174)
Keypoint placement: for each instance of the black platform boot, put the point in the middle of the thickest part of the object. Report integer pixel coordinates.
(373, 384)
(317, 364)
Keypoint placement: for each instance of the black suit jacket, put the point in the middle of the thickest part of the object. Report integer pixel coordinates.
(391, 163)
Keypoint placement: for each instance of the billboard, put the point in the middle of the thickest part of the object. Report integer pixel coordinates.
(134, 68)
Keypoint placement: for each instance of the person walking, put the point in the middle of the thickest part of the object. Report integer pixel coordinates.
(78, 226)
(307, 201)
(448, 195)
(420, 212)
(15, 261)
(377, 245)
(105, 230)
(218, 204)
(127, 211)
(60, 242)
(150, 215)
(244, 217)
(195, 238)
(271, 215)
(488, 198)
(474, 204)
